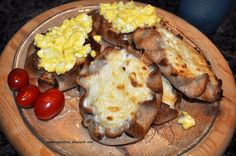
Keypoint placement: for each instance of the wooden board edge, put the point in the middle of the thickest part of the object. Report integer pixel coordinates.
(16, 130)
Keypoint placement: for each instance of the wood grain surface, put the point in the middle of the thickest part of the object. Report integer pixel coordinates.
(23, 137)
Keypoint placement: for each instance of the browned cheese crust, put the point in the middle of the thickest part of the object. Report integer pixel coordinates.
(142, 119)
(184, 66)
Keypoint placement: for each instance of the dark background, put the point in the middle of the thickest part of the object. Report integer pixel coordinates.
(15, 13)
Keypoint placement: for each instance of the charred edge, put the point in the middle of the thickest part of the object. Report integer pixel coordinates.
(178, 100)
(94, 45)
(164, 62)
(208, 62)
(173, 73)
(48, 80)
(179, 36)
(220, 92)
(123, 68)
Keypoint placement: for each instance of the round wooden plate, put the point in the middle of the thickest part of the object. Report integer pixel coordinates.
(65, 135)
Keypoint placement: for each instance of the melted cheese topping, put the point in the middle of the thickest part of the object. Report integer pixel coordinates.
(168, 97)
(126, 17)
(116, 91)
(184, 58)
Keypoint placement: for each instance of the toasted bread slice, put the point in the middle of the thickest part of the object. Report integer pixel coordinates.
(117, 102)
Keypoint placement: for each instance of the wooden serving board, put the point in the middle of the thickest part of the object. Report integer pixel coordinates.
(64, 135)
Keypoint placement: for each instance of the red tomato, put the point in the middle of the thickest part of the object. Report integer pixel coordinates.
(49, 104)
(17, 78)
(27, 95)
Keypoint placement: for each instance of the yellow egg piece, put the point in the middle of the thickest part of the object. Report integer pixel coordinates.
(62, 45)
(93, 53)
(126, 17)
(97, 38)
(186, 120)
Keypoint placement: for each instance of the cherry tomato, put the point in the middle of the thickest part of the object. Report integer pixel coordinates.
(17, 78)
(27, 95)
(49, 104)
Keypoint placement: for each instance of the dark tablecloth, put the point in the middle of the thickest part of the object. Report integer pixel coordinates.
(15, 13)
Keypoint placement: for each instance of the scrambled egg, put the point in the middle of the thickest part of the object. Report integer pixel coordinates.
(93, 53)
(97, 38)
(62, 45)
(186, 120)
(125, 18)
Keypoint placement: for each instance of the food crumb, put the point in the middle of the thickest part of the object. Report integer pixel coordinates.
(93, 53)
(186, 120)
(97, 38)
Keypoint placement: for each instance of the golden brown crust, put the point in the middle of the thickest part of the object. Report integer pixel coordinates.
(185, 84)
